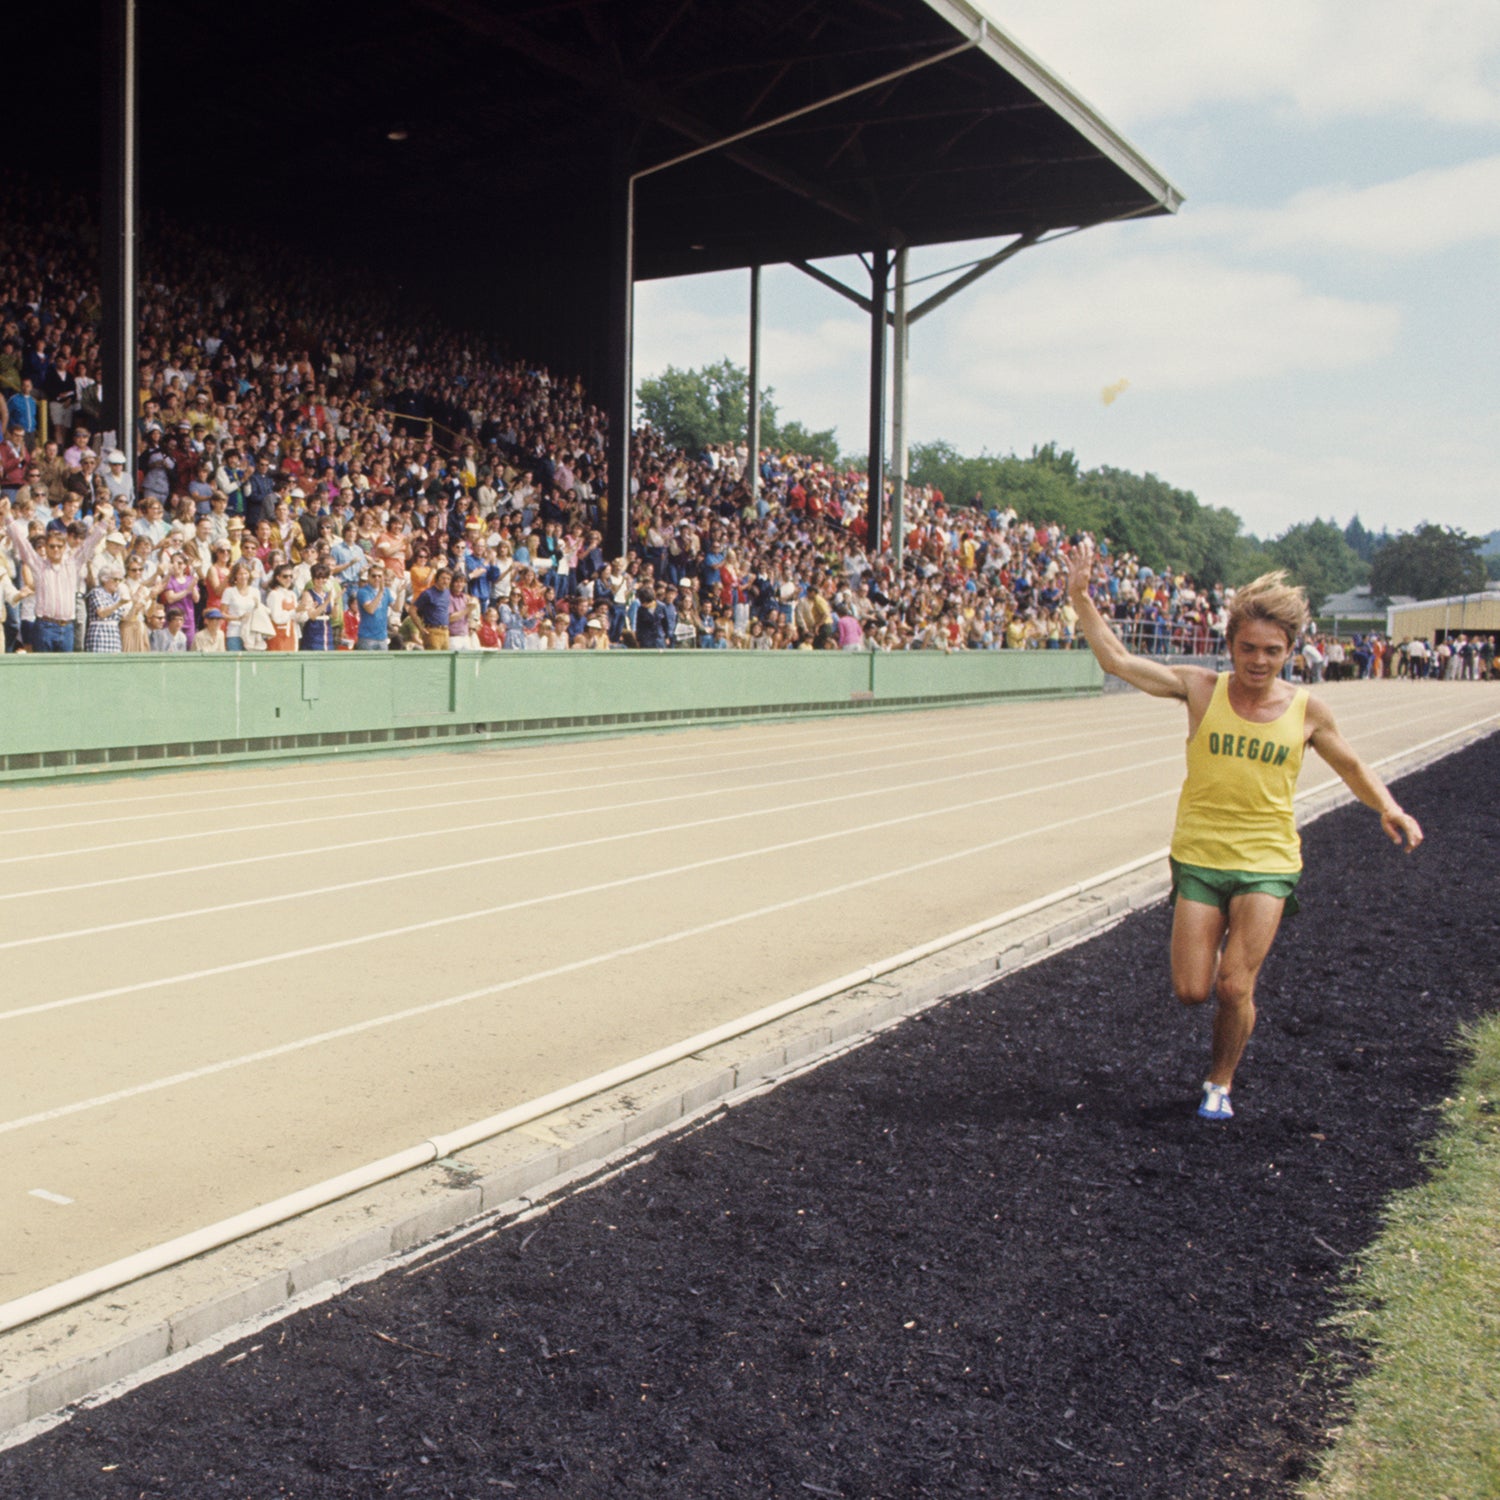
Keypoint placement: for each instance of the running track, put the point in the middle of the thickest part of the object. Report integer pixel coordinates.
(226, 985)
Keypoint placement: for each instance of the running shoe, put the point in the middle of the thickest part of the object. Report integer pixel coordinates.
(1215, 1105)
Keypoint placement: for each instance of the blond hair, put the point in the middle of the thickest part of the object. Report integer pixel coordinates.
(1271, 598)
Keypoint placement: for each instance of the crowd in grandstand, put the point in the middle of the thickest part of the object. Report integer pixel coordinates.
(314, 473)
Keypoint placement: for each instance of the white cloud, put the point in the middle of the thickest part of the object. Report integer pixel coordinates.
(1169, 322)
(672, 331)
(1148, 59)
(1389, 468)
(1420, 214)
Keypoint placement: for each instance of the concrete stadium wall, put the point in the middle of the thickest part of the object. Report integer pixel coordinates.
(67, 715)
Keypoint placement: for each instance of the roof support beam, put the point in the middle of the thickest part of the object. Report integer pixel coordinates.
(833, 284)
(980, 268)
(954, 287)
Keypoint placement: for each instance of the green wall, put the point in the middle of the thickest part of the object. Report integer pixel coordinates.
(64, 715)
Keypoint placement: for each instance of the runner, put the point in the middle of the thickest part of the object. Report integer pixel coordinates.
(1236, 854)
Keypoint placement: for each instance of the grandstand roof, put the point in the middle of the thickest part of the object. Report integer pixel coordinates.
(515, 111)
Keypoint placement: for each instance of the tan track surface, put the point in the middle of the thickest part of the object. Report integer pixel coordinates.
(221, 986)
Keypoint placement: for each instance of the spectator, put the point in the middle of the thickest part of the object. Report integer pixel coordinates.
(375, 601)
(315, 610)
(281, 606)
(210, 638)
(57, 573)
(239, 603)
(170, 637)
(104, 605)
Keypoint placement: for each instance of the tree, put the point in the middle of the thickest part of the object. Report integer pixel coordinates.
(793, 437)
(1362, 541)
(1318, 557)
(695, 408)
(1428, 563)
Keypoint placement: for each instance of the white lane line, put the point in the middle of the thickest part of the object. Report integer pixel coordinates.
(502, 758)
(47, 1197)
(415, 873)
(838, 766)
(504, 769)
(505, 759)
(384, 811)
(592, 961)
(506, 773)
(334, 945)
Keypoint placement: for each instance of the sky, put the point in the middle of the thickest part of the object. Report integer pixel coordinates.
(1315, 334)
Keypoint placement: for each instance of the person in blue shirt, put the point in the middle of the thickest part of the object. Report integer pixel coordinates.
(349, 558)
(23, 411)
(433, 605)
(477, 571)
(669, 616)
(375, 601)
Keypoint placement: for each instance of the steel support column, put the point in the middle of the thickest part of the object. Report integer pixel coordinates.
(880, 276)
(898, 416)
(752, 406)
(618, 395)
(120, 153)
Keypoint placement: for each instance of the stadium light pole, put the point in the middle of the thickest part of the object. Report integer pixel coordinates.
(120, 151)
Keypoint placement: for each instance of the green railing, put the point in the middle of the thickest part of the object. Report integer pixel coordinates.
(68, 715)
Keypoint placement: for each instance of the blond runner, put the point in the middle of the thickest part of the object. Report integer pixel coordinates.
(1236, 854)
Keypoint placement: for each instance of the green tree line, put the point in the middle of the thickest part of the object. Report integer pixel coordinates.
(1140, 513)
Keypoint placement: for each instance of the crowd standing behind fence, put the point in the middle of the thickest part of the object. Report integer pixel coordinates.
(314, 473)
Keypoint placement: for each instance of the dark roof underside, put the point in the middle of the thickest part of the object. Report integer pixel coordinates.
(518, 113)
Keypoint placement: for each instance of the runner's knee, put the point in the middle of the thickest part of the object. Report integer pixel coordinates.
(1191, 991)
(1235, 988)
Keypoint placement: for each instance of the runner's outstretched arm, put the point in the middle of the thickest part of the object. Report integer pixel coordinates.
(1109, 650)
(1400, 827)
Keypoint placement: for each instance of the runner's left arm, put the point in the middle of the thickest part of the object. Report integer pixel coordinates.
(1401, 828)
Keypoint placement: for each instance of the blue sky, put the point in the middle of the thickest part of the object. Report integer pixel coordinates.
(1317, 333)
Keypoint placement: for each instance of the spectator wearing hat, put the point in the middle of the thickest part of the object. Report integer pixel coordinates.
(210, 637)
(650, 622)
(110, 557)
(160, 466)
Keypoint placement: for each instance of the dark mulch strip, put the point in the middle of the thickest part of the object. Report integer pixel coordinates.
(991, 1253)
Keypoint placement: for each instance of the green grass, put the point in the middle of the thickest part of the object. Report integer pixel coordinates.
(1425, 1423)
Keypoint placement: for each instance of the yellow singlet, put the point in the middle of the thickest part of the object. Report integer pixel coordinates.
(1235, 811)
